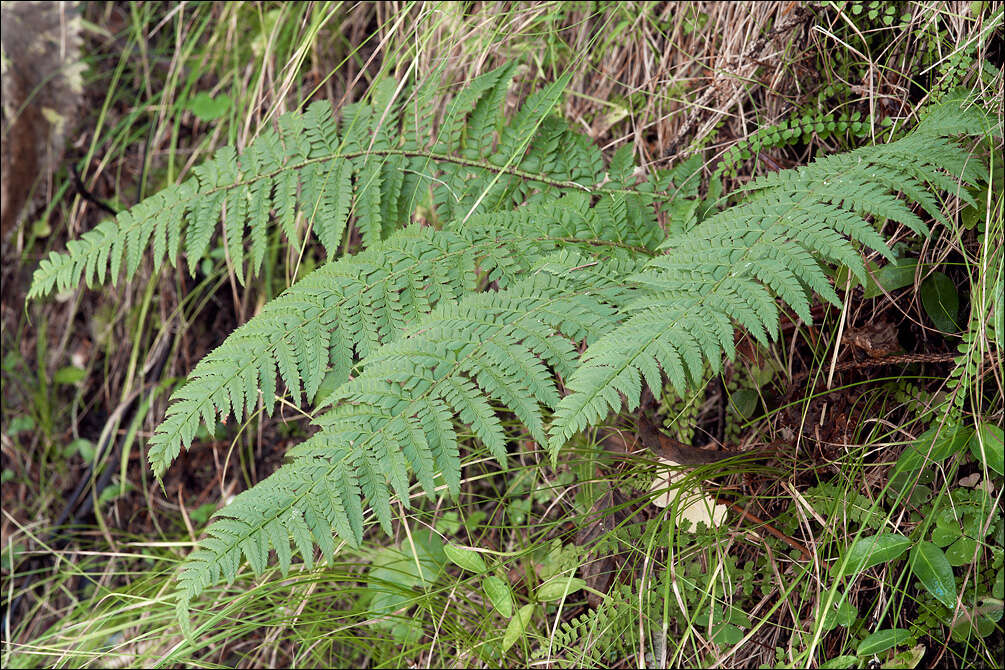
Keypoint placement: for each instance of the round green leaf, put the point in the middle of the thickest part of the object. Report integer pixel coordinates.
(962, 551)
(947, 529)
(841, 613)
(81, 446)
(517, 625)
(20, 424)
(557, 588)
(882, 640)
(401, 567)
(207, 107)
(873, 550)
(744, 402)
(932, 569)
(465, 558)
(727, 634)
(988, 446)
(406, 631)
(980, 621)
(941, 302)
(498, 593)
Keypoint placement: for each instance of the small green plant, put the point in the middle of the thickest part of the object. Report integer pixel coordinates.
(532, 247)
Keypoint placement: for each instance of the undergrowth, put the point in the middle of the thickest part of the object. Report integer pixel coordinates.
(493, 296)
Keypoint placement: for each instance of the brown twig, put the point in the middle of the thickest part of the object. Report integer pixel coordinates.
(888, 360)
(754, 519)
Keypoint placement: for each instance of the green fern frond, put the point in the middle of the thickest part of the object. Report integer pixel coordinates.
(241, 190)
(730, 268)
(459, 360)
(369, 165)
(348, 309)
(644, 318)
(790, 131)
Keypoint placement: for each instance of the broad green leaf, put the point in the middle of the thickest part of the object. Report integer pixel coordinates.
(993, 452)
(932, 569)
(846, 614)
(867, 552)
(892, 277)
(406, 631)
(71, 374)
(947, 528)
(41, 228)
(398, 566)
(744, 402)
(882, 640)
(840, 662)
(498, 593)
(941, 302)
(517, 625)
(20, 424)
(934, 446)
(727, 634)
(81, 446)
(465, 558)
(840, 614)
(962, 551)
(387, 602)
(559, 587)
(980, 621)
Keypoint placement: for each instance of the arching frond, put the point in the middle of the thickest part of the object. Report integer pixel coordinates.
(536, 251)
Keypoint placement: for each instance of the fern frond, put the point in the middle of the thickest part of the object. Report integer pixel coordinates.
(535, 249)
(464, 356)
(346, 308)
(329, 172)
(730, 268)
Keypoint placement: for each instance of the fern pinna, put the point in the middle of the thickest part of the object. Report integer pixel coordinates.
(537, 248)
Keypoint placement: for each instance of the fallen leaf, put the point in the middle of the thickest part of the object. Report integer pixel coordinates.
(697, 506)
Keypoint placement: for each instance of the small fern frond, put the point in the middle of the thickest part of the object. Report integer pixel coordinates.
(791, 131)
(957, 113)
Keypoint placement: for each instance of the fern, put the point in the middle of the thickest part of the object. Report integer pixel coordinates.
(311, 167)
(790, 131)
(597, 637)
(731, 267)
(539, 249)
(397, 415)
